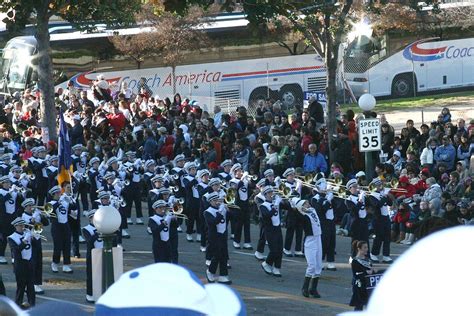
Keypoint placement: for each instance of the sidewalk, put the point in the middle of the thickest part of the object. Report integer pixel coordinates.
(398, 118)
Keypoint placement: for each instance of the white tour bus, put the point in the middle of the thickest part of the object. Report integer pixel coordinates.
(423, 65)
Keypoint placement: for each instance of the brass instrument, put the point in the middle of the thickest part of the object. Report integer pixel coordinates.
(47, 209)
(307, 178)
(284, 191)
(177, 211)
(229, 199)
(37, 228)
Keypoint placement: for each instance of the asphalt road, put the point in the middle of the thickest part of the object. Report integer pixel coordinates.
(262, 294)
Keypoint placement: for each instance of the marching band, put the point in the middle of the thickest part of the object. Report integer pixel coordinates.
(206, 201)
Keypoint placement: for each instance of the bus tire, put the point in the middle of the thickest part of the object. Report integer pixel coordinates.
(291, 96)
(402, 86)
(257, 95)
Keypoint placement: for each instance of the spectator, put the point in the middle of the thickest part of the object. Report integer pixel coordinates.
(445, 153)
(314, 162)
(150, 147)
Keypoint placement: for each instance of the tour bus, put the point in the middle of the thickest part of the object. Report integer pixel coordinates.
(403, 65)
(239, 75)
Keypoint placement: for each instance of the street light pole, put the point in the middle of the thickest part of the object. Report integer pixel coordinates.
(107, 221)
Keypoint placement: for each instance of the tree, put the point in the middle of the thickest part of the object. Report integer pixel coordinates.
(137, 47)
(83, 14)
(175, 34)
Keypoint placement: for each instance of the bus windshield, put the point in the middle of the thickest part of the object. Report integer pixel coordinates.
(15, 65)
(364, 52)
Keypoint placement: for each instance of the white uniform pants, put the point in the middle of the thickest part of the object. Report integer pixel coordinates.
(313, 251)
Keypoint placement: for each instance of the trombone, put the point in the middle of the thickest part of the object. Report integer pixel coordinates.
(36, 228)
(46, 210)
(177, 211)
(284, 191)
(306, 178)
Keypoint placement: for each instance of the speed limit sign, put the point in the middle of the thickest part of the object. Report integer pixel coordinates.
(370, 135)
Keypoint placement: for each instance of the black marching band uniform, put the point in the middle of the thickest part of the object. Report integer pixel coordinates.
(9, 203)
(160, 229)
(241, 185)
(294, 226)
(355, 204)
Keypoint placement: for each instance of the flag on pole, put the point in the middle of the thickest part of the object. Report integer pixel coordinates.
(64, 149)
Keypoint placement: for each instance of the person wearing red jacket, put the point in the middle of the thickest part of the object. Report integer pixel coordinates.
(116, 119)
(399, 222)
(405, 189)
(167, 148)
(421, 185)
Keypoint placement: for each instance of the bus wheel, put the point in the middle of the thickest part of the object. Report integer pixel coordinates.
(402, 86)
(290, 95)
(257, 95)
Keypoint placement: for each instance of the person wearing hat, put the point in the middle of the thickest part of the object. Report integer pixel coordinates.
(191, 201)
(259, 198)
(355, 204)
(322, 202)
(116, 187)
(70, 203)
(95, 179)
(240, 183)
(18, 180)
(216, 220)
(32, 217)
(37, 163)
(165, 194)
(272, 229)
(214, 186)
(361, 178)
(150, 167)
(380, 204)
(293, 222)
(224, 175)
(23, 266)
(52, 171)
(60, 231)
(160, 228)
(93, 240)
(203, 188)
(5, 164)
(79, 163)
(157, 183)
(312, 246)
(133, 193)
(9, 203)
(420, 185)
(396, 161)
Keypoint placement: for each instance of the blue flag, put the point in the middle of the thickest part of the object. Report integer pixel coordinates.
(64, 149)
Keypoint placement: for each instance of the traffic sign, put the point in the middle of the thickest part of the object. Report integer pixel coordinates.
(370, 135)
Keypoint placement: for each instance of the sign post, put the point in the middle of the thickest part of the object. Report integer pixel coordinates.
(370, 134)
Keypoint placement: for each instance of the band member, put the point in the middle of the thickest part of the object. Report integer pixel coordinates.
(21, 181)
(361, 267)
(133, 194)
(240, 183)
(259, 199)
(8, 212)
(32, 217)
(39, 168)
(23, 267)
(294, 226)
(95, 179)
(215, 216)
(69, 202)
(60, 232)
(159, 225)
(4, 164)
(203, 176)
(93, 240)
(150, 167)
(115, 187)
(177, 174)
(322, 202)
(165, 195)
(272, 229)
(52, 171)
(312, 247)
(192, 200)
(355, 204)
(153, 194)
(224, 175)
(79, 163)
(380, 203)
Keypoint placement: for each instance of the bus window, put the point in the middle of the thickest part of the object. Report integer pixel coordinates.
(15, 65)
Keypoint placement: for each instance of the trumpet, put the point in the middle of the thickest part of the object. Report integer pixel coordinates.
(37, 228)
(46, 210)
(18, 189)
(306, 178)
(251, 177)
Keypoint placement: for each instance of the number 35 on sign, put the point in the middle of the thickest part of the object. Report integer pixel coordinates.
(370, 135)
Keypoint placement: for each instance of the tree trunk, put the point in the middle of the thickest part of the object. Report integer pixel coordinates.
(45, 75)
(331, 98)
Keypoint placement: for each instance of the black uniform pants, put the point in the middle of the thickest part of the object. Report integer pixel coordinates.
(192, 212)
(6, 230)
(61, 242)
(203, 228)
(89, 272)
(83, 192)
(293, 227)
(262, 240)
(37, 258)
(242, 220)
(219, 255)
(382, 235)
(275, 243)
(41, 191)
(24, 271)
(162, 251)
(134, 196)
(75, 227)
(328, 234)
